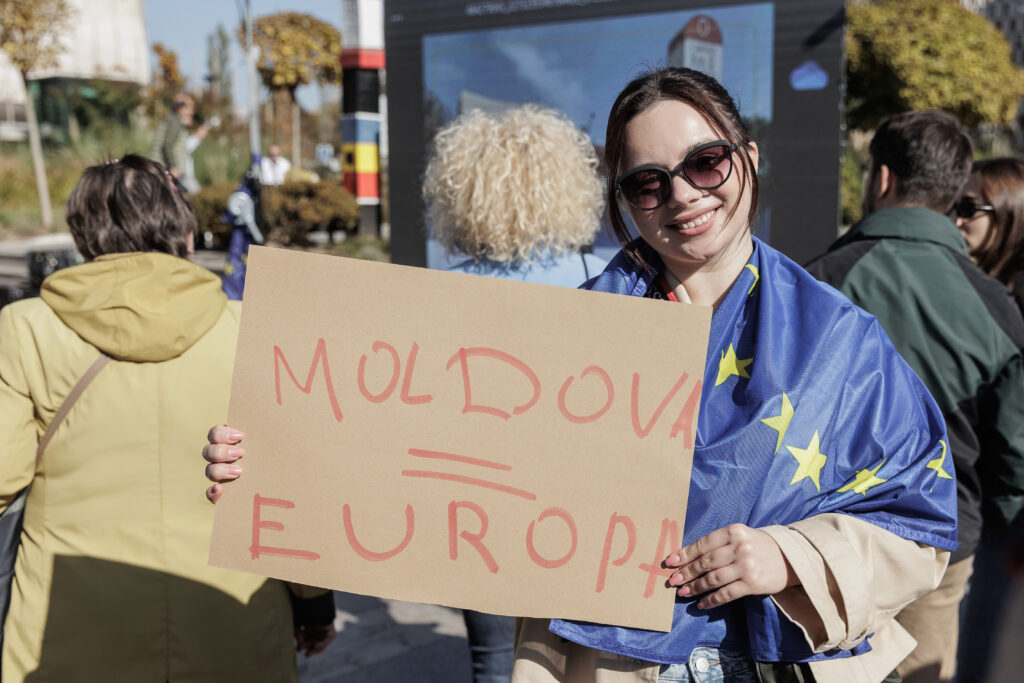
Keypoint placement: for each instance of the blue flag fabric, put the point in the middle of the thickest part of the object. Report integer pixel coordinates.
(242, 216)
(233, 283)
(806, 409)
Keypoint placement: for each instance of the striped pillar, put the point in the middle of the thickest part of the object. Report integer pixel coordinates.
(362, 60)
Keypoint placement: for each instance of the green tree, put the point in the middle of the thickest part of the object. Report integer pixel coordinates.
(218, 45)
(31, 34)
(927, 54)
(295, 49)
(167, 82)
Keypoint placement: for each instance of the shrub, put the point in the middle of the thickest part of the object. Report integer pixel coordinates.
(295, 208)
(210, 203)
(851, 187)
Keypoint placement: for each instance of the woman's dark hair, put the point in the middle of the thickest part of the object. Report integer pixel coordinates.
(700, 91)
(1001, 181)
(129, 204)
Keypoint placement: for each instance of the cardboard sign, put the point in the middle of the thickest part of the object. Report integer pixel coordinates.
(445, 438)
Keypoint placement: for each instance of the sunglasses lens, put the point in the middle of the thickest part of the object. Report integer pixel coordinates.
(647, 188)
(965, 208)
(709, 167)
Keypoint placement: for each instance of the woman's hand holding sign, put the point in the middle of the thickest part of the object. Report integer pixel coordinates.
(222, 454)
(730, 563)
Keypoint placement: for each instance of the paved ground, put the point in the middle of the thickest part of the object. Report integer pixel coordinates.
(389, 640)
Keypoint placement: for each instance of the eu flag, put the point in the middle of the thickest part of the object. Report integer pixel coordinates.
(807, 409)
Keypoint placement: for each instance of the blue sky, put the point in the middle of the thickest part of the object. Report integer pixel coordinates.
(581, 66)
(183, 26)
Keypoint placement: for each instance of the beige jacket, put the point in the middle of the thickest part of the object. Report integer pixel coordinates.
(854, 577)
(111, 580)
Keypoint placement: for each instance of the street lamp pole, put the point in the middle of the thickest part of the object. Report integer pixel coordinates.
(252, 53)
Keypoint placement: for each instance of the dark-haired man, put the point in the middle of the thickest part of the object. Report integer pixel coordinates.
(906, 263)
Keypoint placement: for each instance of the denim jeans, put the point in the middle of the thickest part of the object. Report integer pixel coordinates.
(490, 646)
(707, 664)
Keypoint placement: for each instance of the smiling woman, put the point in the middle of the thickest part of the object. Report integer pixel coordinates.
(792, 424)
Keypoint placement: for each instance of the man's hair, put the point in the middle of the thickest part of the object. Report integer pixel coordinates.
(180, 101)
(509, 187)
(1001, 182)
(929, 154)
(128, 205)
(709, 98)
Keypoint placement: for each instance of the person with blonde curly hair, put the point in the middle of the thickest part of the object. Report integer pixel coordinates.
(518, 194)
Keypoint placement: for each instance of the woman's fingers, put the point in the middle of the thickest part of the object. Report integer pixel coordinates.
(704, 564)
(224, 434)
(222, 452)
(702, 546)
(215, 452)
(712, 581)
(222, 471)
(728, 593)
(213, 493)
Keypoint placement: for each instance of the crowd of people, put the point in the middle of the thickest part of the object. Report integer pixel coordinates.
(176, 139)
(897, 352)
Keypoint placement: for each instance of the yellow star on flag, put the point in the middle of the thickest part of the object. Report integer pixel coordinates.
(731, 365)
(757, 277)
(780, 422)
(936, 465)
(811, 461)
(864, 480)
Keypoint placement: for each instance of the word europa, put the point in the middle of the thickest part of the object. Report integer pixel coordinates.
(618, 525)
(466, 359)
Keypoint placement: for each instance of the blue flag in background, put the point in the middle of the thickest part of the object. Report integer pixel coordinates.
(806, 409)
(242, 214)
(234, 269)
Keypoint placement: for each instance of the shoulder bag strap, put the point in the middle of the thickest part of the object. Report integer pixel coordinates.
(62, 412)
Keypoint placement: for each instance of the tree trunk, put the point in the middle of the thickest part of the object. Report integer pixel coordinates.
(36, 146)
(296, 137)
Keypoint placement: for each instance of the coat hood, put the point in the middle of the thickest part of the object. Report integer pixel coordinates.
(137, 306)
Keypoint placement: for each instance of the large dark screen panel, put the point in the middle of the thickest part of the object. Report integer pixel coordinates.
(781, 61)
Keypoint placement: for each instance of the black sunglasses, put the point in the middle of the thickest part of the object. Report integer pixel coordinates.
(966, 207)
(706, 167)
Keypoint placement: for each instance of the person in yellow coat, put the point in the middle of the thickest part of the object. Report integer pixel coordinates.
(111, 578)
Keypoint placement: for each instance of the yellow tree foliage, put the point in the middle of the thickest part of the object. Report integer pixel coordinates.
(30, 32)
(295, 49)
(168, 81)
(927, 54)
(168, 74)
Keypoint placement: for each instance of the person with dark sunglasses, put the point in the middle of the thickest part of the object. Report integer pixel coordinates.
(906, 262)
(990, 216)
(798, 456)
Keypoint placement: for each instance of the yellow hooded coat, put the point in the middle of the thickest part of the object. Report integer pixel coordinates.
(111, 580)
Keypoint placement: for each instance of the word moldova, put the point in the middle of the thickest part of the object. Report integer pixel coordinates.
(621, 530)
(466, 359)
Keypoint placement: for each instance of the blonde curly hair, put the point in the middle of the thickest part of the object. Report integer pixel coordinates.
(514, 186)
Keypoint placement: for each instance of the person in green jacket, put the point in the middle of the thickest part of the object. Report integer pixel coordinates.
(959, 329)
(170, 140)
